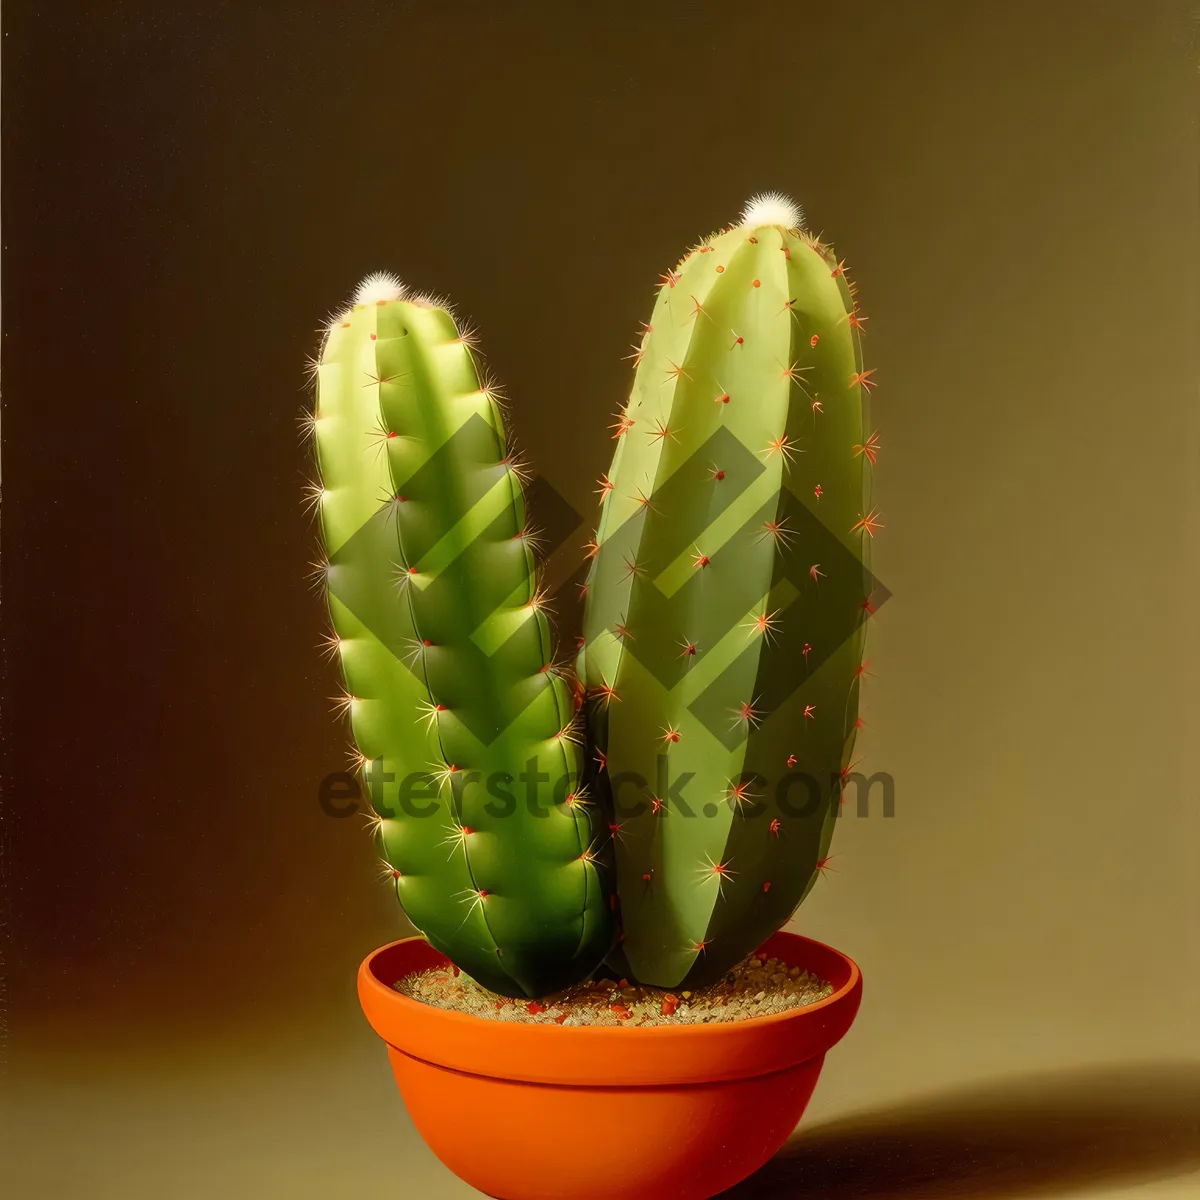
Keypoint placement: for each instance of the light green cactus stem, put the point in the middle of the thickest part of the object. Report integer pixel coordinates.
(466, 733)
(728, 593)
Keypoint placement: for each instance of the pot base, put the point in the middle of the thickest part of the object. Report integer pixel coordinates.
(540, 1142)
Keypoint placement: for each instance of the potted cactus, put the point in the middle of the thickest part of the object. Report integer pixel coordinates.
(645, 825)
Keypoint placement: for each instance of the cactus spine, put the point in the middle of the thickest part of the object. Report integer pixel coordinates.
(726, 601)
(466, 733)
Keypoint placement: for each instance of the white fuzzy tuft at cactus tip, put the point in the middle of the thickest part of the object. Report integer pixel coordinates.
(772, 208)
(379, 285)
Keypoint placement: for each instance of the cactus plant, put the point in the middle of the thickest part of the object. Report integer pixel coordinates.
(466, 732)
(727, 597)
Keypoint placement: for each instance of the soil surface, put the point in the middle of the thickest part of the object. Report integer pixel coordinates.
(756, 987)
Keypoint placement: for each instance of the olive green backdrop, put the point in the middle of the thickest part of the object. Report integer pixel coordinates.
(189, 187)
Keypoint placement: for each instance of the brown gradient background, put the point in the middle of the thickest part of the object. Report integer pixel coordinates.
(190, 187)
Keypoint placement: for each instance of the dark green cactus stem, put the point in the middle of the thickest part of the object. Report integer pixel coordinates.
(727, 598)
(467, 735)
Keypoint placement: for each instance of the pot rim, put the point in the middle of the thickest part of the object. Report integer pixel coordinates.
(369, 977)
(604, 1055)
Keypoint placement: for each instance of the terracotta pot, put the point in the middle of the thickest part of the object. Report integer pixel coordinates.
(550, 1112)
